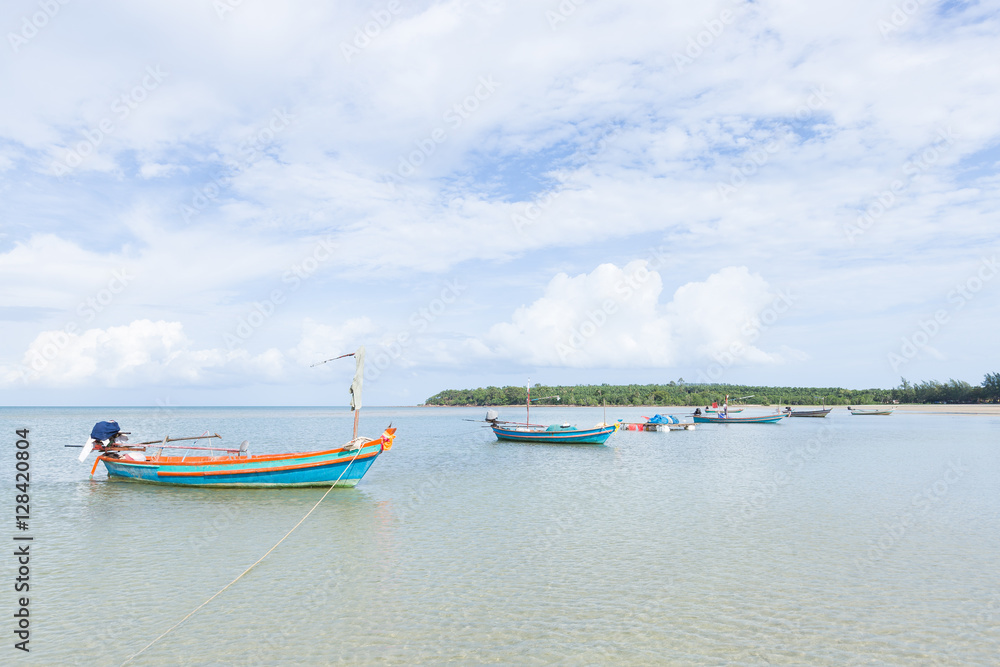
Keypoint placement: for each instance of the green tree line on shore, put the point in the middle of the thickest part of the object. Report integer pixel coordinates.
(681, 393)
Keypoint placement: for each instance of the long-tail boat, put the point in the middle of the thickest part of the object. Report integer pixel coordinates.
(820, 412)
(564, 434)
(342, 466)
(762, 419)
(809, 413)
(555, 433)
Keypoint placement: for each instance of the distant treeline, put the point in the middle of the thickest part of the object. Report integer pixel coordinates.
(680, 393)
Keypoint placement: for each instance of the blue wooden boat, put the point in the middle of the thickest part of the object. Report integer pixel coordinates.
(763, 419)
(341, 467)
(562, 434)
(556, 433)
(234, 467)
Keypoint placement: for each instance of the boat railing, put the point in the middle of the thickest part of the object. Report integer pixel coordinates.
(160, 445)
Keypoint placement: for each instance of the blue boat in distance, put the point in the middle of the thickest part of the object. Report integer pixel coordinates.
(763, 419)
(563, 434)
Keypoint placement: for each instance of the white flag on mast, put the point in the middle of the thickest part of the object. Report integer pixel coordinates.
(359, 372)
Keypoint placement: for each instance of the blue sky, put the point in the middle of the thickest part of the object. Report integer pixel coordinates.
(200, 199)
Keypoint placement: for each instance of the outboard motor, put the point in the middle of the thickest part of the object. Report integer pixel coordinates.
(105, 430)
(103, 434)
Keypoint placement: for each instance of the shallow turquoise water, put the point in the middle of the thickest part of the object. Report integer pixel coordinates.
(840, 541)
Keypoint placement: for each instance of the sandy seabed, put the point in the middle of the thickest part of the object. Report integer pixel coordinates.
(991, 410)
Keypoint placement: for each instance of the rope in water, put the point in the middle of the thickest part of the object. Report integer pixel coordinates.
(195, 610)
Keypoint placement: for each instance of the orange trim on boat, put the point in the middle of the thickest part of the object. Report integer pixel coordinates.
(249, 471)
(229, 460)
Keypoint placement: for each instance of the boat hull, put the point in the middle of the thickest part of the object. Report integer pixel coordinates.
(810, 413)
(871, 412)
(339, 467)
(592, 436)
(765, 419)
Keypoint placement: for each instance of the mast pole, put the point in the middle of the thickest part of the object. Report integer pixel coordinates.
(527, 405)
(359, 373)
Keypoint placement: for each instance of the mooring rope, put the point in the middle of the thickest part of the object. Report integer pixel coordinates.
(221, 590)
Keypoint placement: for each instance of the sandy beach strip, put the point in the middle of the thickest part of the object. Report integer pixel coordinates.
(981, 409)
(978, 409)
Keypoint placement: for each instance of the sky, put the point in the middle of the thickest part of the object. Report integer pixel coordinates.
(203, 198)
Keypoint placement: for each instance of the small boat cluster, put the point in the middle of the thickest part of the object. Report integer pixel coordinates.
(599, 433)
(159, 462)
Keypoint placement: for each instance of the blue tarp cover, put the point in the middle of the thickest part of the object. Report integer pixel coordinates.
(664, 419)
(104, 430)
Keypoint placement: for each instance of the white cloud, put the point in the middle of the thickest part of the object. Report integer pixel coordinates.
(156, 170)
(845, 106)
(140, 353)
(613, 317)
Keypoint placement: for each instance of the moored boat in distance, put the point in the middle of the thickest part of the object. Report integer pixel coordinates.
(658, 423)
(563, 434)
(761, 419)
(235, 467)
(821, 412)
(869, 411)
(808, 413)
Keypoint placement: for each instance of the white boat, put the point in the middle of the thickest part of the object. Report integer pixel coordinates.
(866, 411)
